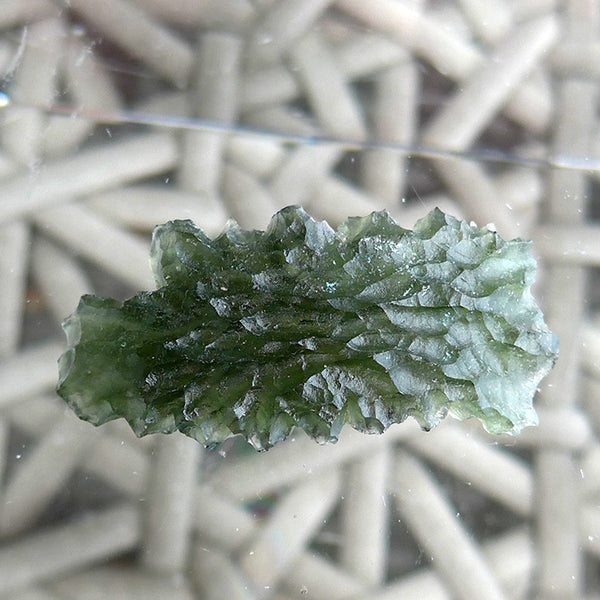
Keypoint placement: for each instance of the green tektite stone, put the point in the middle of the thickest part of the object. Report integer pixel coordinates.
(257, 332)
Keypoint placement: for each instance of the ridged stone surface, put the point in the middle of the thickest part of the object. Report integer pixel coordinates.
(300, 325)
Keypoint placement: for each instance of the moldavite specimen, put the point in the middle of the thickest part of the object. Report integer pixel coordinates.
(300, 325)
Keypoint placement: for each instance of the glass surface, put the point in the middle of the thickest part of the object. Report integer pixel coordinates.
(121, 114)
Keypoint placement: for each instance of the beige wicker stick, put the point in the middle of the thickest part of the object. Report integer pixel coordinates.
(281, 24)
(320, 579)
(566, 428)
(477, 194)
(283, 120)
(510, 556)
(590, 347)
(447, 52)
(32, 593)
(307, 166)
(577, 58)
(4, 429)
(591, 399)
(336, 199)
(47, 407)
(264, 4)
(171, 103)
(560, 427)
(518, 188)
(283, 537)
(14, 254)
(490, 469)
(42, 473)
(331, 99)
(590, 527)
(362, 55)
(559, 540)
(25, 12)
(522, 10)
(29, 372)
(594, 152)
(216, 519)
(54, 551)
(8, 166)
(214, 87)
(58, 276)
(466, 115)
(424, 583)
(451, 18)
(229, 527)
(258, 156)
(521, 190)
(34, 85)
(120, 430)
(248, 199)
(432, 521)
(136, 32)
(90, 90)
(365, 517)
(267, 85)
(216, 577)
(490, 19)
(234, 14)
(395, 109)
(302, 173)
(120, 583)
(92, 236)
(123, 466)
(8, 62)
(296, 459)
(460, 121)
(144, 206)
(556, 468)
(91, 170)
(221, 523)
(450, 54)
(569, 245)
(168, 509)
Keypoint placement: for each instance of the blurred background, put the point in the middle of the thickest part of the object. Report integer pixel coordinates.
(117, 115)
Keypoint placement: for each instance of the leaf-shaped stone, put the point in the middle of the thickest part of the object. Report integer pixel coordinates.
(300, 325)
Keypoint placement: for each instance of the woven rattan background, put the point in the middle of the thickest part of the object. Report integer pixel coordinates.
(120, 114)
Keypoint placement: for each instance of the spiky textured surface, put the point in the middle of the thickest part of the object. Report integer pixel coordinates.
(300, 325)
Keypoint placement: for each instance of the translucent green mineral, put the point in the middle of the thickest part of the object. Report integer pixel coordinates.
(258, 332)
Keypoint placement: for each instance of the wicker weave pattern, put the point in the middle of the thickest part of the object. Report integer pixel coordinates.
(149, 100)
